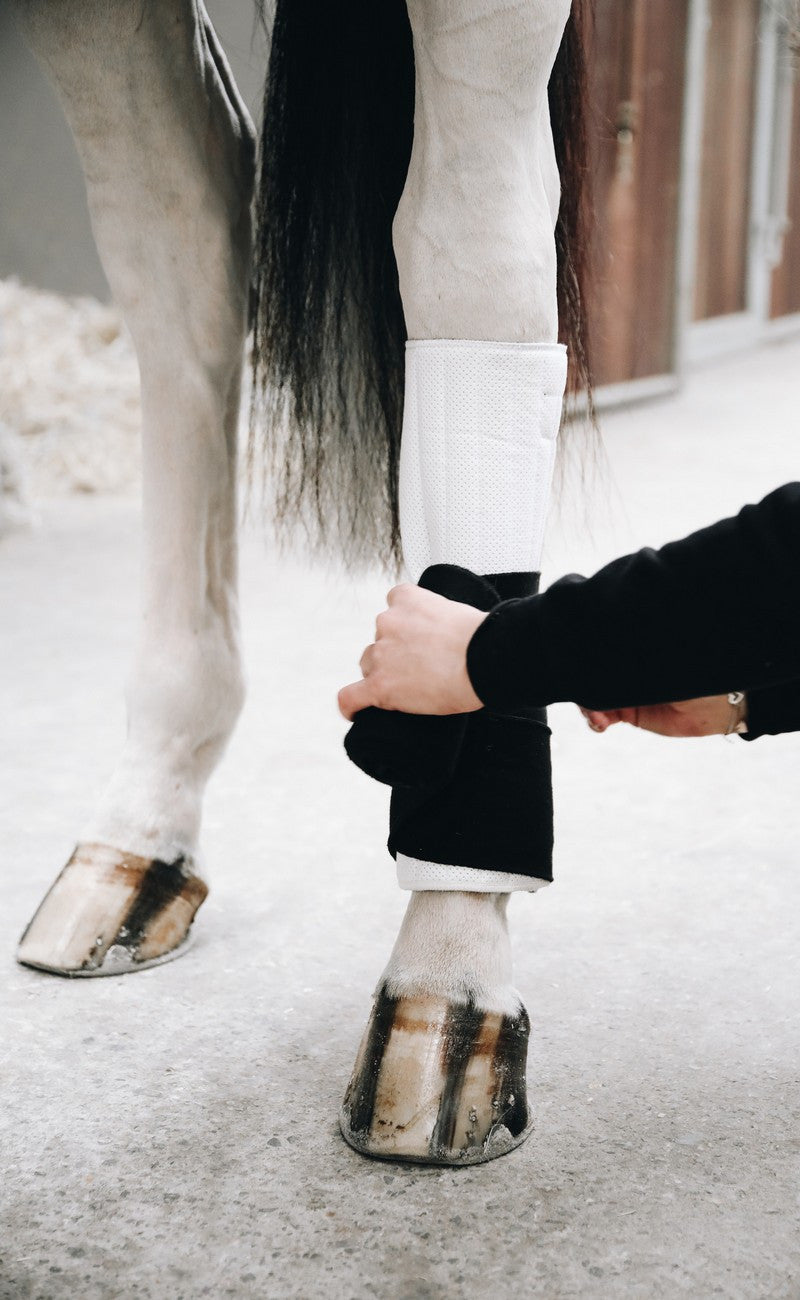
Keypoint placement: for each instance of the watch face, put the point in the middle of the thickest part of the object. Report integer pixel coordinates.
(738, 720)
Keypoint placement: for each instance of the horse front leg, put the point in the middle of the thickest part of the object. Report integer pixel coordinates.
(167, 150)
(441, 1073)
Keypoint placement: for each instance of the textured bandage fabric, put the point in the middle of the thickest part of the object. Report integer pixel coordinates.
(493, 811)
(496, 812)
(415, 875)
(479, 439)
(476, 463)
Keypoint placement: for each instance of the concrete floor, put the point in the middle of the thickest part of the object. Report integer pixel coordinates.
(173, 1134)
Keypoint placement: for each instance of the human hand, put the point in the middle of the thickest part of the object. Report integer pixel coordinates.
(708, 716)
(418, 661)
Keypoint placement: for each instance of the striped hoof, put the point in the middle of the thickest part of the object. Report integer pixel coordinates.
(111, 912)
(438, 1083)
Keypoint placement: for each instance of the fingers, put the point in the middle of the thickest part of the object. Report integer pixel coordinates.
(707, 716)
(387, 622)
(599, 720)
(400, 594)
(402, 602)
(632, 716)
(367, 660)
(358, 695)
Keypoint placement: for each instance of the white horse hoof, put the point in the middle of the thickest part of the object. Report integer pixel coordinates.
(438, 1083)
(110, 912)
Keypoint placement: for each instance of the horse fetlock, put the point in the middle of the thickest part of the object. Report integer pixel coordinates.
(455, 947)
(152, 805)
(182, 708)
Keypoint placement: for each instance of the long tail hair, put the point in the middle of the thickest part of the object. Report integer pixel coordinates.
(328, 326)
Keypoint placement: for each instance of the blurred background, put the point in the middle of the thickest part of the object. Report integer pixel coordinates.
(695, 128)
(696, 121)
(45, 237)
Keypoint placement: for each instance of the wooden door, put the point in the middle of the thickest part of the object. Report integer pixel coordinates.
(725, 171)
(637, 95)
(785, 296)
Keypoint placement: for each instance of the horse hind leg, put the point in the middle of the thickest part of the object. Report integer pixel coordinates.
(440, 1076)
(168, 155)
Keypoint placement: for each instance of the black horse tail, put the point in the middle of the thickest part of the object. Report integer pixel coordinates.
(329, 332)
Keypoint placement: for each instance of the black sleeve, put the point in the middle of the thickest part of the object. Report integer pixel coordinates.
(715, 612)
(772, 710)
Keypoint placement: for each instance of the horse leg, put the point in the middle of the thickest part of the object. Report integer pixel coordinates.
(440, 1076)
(168, 154)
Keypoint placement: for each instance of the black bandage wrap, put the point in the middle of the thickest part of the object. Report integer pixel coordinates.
(471, 790)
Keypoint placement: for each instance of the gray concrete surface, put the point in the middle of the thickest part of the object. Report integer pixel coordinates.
(172, 1134)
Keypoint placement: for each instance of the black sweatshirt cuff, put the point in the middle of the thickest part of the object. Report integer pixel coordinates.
(771, 710)
(501, 664)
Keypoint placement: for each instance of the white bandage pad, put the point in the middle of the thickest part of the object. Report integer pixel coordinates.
(480, 426)
(476, 461)
(415, 875)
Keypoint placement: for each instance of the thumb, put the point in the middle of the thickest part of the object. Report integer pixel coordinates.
(358, 695)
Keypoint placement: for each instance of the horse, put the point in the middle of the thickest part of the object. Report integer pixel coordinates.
(413, 273)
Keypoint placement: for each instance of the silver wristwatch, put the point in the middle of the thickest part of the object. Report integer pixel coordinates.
(737, 725)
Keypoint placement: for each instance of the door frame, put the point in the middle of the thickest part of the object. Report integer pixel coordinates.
(698, 342)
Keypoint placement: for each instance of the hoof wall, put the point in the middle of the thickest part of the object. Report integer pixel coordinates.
(110, 912)
(438, 1083)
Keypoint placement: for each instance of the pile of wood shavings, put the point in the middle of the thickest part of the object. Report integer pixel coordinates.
(69, 392)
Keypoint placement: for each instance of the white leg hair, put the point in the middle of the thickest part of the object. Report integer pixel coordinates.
(474, 242)
(167, 150)
(455, 946)
(473, 234)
